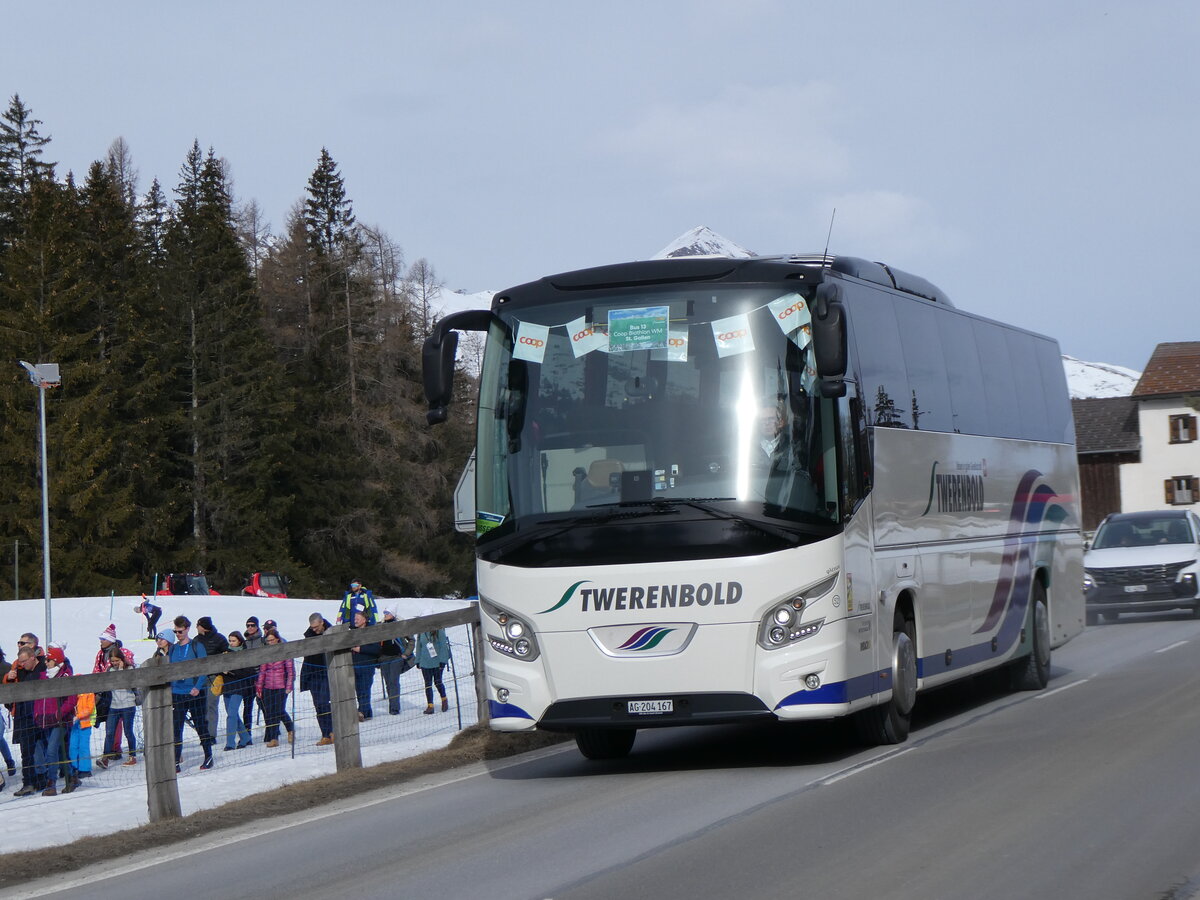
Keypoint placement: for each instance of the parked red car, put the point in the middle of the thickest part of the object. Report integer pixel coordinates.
(266, 584)
(191, 583)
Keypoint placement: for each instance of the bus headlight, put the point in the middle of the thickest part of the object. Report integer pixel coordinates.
(781, 625)
(515, 639)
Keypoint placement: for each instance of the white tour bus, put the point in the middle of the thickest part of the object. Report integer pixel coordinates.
(717, 490)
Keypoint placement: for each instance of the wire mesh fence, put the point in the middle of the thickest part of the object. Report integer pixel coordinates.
(389, 722)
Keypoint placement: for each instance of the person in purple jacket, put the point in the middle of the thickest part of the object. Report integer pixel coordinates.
(275, 682)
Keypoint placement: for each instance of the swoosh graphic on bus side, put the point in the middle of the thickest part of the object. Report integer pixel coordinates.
(932, 479)
(1016, 519)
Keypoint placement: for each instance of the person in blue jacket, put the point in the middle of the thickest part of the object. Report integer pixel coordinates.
(357, 600)
(188, 695)
(433, 652)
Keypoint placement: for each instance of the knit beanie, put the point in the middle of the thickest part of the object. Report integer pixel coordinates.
(206, 623)
(109, 633)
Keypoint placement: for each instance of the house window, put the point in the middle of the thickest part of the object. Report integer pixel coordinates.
(1183, 429)
(1182, 490)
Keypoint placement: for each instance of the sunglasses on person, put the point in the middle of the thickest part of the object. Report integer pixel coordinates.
(24, 643)
(179, 630)
(250, 626)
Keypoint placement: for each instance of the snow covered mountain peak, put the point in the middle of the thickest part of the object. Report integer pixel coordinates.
(702, 241)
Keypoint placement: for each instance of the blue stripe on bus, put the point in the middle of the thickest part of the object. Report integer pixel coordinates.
(840, 691)
(935, 664)
(506, 711)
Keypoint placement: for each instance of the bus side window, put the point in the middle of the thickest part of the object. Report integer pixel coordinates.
(964, 375)
(1004, 414)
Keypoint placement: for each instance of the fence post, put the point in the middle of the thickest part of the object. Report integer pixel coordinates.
(158, 739)
(483, 710)
(347, 752)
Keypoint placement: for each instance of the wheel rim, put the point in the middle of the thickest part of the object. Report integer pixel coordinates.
(904, 673)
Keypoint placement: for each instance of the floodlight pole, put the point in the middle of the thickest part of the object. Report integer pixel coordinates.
(44, 375)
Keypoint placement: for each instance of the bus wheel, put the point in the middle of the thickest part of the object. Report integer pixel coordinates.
(605, 743)
(888, 723)
(1032, 672)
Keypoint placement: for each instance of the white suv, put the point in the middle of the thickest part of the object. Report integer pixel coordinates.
(1143, 562)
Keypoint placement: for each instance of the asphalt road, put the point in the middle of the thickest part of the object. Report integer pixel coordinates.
(1088, 789)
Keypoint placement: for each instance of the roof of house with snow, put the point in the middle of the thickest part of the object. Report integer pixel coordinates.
(1106, 425)
(1173, 369)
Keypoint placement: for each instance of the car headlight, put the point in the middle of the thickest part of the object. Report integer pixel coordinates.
(514, 639)
(1088, 581)
(781, 625)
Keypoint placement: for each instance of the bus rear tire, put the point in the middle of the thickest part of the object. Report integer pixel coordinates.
(1032, 673)
(605, 743)
(889, 722)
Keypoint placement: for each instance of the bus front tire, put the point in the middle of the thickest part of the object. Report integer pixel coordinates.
(605, 743)
(1032, 672)
(889, 722)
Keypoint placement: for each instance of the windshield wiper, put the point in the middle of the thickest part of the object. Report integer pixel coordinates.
(546, 530)
(633, 509)
(658, 505)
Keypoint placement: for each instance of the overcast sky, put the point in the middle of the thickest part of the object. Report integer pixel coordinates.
(1036, 160)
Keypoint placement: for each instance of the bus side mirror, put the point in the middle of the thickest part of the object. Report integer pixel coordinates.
(437, 365)
(829, 331)
(437, 358)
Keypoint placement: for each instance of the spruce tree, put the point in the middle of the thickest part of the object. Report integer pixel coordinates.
(231, 385)
(21, 165)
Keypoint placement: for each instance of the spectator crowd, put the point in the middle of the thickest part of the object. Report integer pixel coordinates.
(56, 737)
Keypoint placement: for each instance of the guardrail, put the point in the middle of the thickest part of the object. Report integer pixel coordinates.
(154, 679)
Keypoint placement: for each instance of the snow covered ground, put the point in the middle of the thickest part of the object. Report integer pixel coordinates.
(116, 797)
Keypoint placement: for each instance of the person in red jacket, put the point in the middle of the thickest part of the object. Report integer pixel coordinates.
(275, 680)
(53, 716)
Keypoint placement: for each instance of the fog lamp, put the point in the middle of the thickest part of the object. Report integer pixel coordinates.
(812, 681)
(502, 695)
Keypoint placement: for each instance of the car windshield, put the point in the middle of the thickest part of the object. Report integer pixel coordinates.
(1144, 531)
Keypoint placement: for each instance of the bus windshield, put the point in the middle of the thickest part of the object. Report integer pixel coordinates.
(717, 408)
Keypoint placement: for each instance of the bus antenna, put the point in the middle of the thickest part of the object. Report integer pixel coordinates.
(825, 255)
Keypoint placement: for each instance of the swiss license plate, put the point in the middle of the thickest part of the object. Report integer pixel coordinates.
(649, 707)
(1135, 589)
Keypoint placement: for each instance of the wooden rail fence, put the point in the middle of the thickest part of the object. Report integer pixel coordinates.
(154, 679)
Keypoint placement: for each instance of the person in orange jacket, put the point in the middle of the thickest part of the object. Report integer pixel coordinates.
(79, 741)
